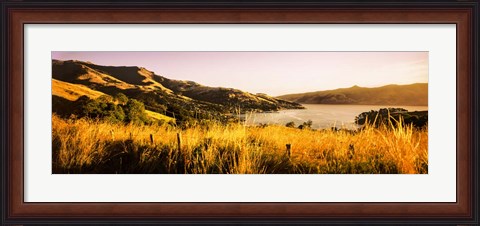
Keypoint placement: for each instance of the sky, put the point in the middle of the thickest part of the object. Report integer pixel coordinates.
(273, 73)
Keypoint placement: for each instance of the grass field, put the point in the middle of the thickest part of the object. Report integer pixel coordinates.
(93, 146)
(158, 116)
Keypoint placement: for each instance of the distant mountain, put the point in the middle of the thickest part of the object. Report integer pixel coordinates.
(175, 98)
(413, 94)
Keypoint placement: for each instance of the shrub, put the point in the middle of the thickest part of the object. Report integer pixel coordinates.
(290, 124)
(121, 98)
(306, 125)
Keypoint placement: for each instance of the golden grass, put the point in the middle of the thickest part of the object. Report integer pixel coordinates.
(71, 91)
(88, 146)
(158, 116)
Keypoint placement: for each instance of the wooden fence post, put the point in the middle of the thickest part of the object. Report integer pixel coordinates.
(179, 141)
(289, 150)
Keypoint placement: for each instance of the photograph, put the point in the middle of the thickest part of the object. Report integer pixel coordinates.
(239, 112)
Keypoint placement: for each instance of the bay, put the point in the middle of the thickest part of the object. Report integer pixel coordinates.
(322, 115)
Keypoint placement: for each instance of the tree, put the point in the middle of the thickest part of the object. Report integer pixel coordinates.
(114, 113)
(135, 112)
(102, 108)
(121, 98)
(105, 99)
(92, 108)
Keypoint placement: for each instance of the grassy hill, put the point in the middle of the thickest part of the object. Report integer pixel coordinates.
(66, 98)
(232, 98)
(173, 98)
(413, 95)
(72, 92)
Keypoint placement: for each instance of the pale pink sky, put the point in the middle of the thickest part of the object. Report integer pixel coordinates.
(274, 73)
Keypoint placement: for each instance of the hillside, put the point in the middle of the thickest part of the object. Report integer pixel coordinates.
(412, 95)
(66, 99)
(72, 92)
(229, 97)
(160, 95)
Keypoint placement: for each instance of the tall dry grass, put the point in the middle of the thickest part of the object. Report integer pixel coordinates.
(92, 146)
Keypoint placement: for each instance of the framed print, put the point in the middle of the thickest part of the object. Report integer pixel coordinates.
(240, 112)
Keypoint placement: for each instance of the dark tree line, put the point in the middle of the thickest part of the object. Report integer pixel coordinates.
(385, 116)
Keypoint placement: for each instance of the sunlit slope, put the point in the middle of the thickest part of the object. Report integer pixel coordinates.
(72, 92)
(62, 91)
(96, 76)
(158, 116)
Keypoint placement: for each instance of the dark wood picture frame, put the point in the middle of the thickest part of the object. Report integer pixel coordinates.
(15, 14)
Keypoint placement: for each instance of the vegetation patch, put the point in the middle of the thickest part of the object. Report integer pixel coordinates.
(100, 146)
